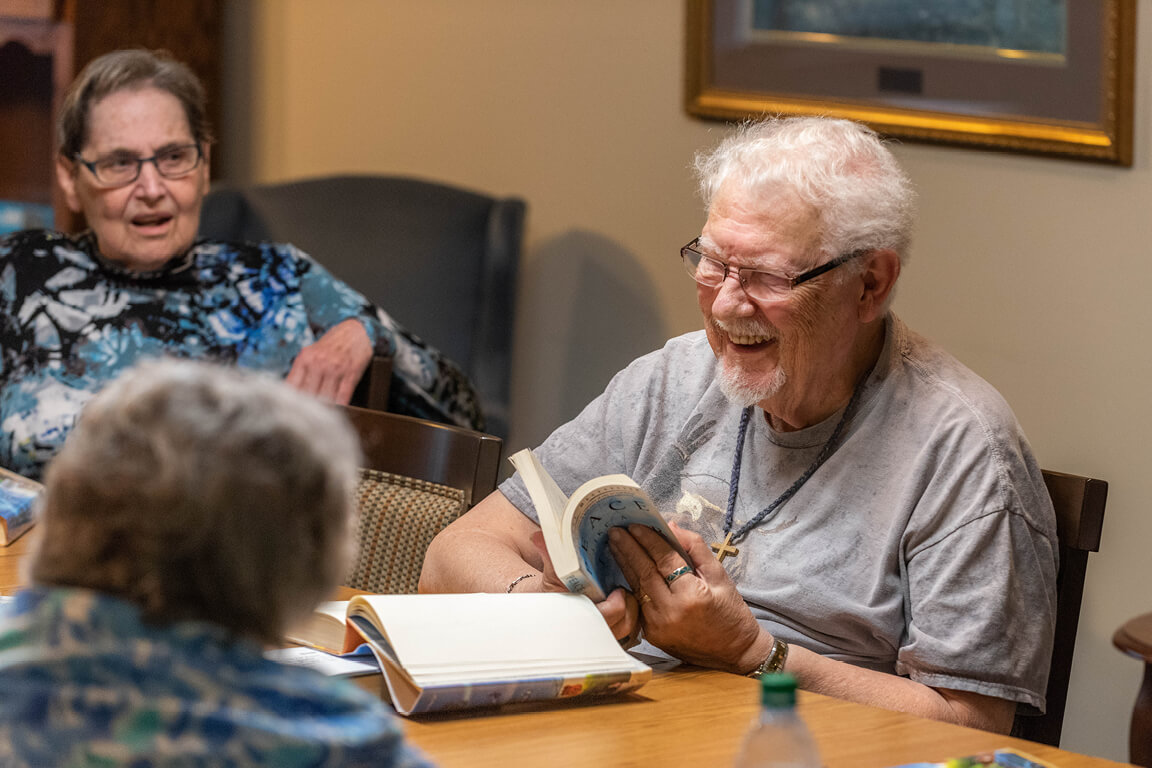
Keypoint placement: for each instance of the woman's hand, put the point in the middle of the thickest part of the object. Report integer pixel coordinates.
(331, 367)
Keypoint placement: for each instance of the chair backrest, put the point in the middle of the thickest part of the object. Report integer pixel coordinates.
(441, 260)
(1079, 504)
(418, 477)
(373, 388)
(425, 450)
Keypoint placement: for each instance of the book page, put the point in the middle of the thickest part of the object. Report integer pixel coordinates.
(324, 629)
(324, 663)
(550, 502)
(477, 637)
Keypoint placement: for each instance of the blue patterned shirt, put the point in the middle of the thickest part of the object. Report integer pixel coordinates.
(70, 322)
(86, 682)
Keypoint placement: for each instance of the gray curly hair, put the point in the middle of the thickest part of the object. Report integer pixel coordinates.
(205, 493)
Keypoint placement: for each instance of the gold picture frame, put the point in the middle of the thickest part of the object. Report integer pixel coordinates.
(1075, 104)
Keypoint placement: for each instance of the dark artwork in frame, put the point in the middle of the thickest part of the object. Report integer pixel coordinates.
(1052, 77)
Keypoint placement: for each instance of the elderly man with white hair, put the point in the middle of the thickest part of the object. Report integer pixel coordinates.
(859, 508)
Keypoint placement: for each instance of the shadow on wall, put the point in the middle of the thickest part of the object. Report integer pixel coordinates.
(586, 310)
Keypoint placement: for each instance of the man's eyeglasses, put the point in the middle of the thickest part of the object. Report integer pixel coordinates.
(759, 284)
(118, 169)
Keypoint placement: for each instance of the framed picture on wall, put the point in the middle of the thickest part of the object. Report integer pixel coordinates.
(1052, 77)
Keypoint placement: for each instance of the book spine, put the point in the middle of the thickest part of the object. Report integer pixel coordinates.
(496, 693)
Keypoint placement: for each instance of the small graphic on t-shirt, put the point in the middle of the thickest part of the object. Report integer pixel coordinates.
(693, 505)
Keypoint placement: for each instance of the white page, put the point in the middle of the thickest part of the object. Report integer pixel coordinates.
(325, 663)
(536, 633)
(334, 608)
(549, 501)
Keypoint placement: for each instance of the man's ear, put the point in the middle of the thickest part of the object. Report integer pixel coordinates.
(881, 270)
(66, 178)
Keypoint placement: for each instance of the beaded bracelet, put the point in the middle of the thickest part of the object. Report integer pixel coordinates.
(519, 579)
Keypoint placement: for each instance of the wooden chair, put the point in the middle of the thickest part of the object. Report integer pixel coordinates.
(373, 388)
(418, 476)
(1079, 503)
(1135, 639)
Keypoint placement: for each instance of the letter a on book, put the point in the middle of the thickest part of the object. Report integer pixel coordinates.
(576, 529)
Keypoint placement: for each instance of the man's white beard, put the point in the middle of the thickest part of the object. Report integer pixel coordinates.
(742, 390)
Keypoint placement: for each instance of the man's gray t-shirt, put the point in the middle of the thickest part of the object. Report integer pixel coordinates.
(924, 546)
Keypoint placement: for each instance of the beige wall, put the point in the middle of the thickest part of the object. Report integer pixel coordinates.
(1032, 271)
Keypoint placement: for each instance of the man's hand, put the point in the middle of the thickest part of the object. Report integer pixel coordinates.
(620, 610)
(699, 617)
(331, 367)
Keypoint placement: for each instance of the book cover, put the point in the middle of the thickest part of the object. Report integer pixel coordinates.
(18, 502)
(1000, 758)
(576, 529)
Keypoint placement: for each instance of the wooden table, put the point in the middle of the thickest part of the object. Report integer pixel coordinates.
(684, 716)
(696, 717)
(1135, 639)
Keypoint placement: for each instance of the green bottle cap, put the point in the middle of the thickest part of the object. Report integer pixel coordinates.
(778, 691)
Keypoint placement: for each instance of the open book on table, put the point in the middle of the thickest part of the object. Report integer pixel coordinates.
(441, 652)
(576, 529)
(18, 496)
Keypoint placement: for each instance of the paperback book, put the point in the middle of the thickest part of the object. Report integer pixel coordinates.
(576, 529)
(18, 500)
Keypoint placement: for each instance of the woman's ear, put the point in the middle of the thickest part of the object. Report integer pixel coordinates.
(879, 280)
(66, 178)
(205, 169)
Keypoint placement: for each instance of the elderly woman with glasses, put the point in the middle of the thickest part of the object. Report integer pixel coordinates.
(193, 514)
(134, 146)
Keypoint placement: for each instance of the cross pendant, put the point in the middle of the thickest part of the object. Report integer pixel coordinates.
(724, 549)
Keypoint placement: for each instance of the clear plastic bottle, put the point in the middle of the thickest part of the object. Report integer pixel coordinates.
(778, 737)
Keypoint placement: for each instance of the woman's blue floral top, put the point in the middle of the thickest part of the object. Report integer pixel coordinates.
(71, 321)
(86, 682)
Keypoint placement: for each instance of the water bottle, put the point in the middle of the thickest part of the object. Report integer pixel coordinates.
(778, 737)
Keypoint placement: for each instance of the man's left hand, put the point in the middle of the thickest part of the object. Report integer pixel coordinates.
(700, 617)
(332, 366)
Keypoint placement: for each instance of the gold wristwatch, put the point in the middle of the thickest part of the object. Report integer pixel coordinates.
(775, 661)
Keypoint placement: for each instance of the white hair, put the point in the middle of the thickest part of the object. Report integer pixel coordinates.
(840, 168)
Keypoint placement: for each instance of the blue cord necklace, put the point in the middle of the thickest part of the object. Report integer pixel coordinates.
(723, 548)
